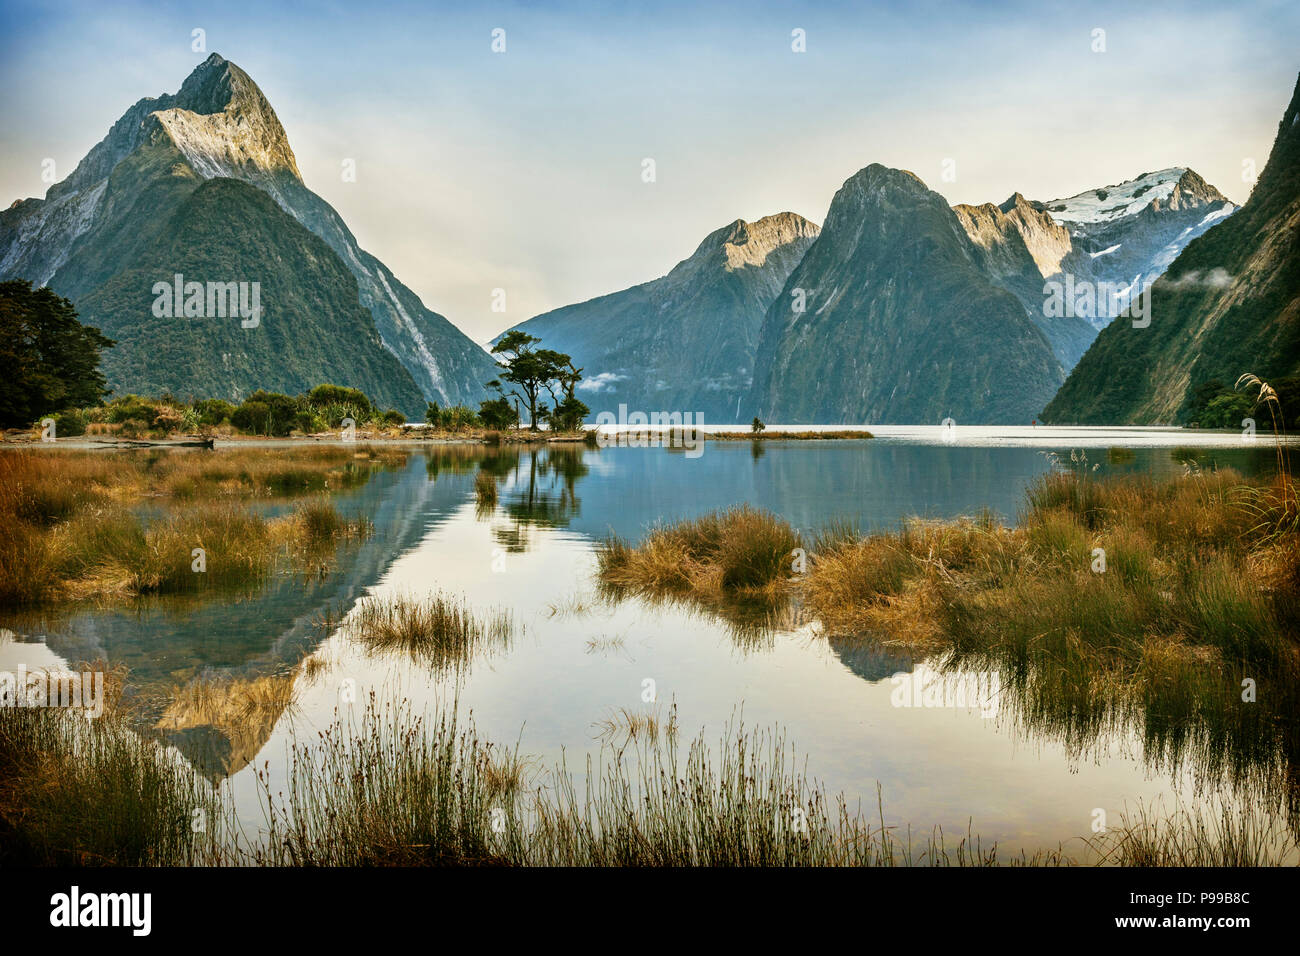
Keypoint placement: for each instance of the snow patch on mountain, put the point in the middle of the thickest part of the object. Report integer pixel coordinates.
(1115, 202)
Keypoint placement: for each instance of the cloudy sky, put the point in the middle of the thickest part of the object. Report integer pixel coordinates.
(522, 170)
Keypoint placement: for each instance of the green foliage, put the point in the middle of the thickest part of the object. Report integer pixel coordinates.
(70, 422)
(498, 413)
(323, 396)
(267, 413)
(456, 418)
(567, 415)
(1213, 404)
(757, 426)
(48, 360)
(532, 370)
(213, 411)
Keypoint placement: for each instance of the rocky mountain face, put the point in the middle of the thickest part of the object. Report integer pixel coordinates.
(890, 317)
(1115, 240)
(1137, 228)
(1018, 245)
(220, 125)
(684, 342)
(1227, 305)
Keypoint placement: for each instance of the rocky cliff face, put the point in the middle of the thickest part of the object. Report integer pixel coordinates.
(684, 342)
(221, 125)
(891, 318)
(1119, 238)
(1018, 246)
(1134, 230)
(1228, 304)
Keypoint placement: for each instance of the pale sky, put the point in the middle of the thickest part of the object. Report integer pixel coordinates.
(522, 170)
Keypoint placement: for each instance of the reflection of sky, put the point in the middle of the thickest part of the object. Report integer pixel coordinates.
(549, 687)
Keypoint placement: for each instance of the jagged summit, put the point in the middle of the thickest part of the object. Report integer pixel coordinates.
(221, 122)
(1175, 188)
(748, 244)
(889, 318)
(1018, 201)
(218, 119)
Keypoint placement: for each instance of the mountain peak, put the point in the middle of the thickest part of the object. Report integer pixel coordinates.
(746, 244)
(224, 125)
(1018, 201)
(1174, 188)
(877, 176)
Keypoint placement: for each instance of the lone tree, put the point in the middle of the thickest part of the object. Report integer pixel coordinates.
(48, 360)
(531, 371)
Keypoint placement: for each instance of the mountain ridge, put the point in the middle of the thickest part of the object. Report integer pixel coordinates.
(684, 341)
(899, 323)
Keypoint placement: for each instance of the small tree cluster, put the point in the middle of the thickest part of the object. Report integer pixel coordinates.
(531, 374)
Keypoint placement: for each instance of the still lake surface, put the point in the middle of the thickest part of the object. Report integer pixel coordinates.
(576, 659)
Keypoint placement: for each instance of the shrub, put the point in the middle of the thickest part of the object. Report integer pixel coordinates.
(498, 414)
(266, 413)
(132, 408)
(339, 396)
(70, 423)
(213, 411)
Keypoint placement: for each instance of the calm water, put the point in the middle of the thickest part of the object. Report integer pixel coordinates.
(576, 659)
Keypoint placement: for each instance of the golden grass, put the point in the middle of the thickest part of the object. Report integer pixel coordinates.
(485, 489)
(623, 725)
(439, 630)
(1110, 600)
(738, 551)
(73, 529)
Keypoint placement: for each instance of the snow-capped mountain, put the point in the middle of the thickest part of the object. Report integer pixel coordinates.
(1120, 237)
(1138, 227)
(1125, 199)
(224, 127)
(1228, 305)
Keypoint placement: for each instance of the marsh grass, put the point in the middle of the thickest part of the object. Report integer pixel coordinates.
(1196, 599)
(78, 792)
(390, 789)
(602, 644)
(725, 554)
(74, 529)
(440, 630)
(485, 489)
(1217, 837)
(624, 725)
(573, 605)
(393, 791)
